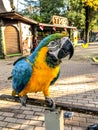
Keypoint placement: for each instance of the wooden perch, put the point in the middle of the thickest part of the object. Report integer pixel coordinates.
(62, 106)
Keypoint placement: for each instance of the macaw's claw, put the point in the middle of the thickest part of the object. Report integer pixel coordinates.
(23, 100)
(50, 102)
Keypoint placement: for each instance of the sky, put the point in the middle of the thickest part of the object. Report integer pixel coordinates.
(16, 4)
(20, 6)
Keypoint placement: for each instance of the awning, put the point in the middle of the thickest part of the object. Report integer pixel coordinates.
(17, 16)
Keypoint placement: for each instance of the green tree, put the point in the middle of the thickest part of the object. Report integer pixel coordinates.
(75, 13)
(82, 13)
(43, 10)
(91, 10)
(48, 8)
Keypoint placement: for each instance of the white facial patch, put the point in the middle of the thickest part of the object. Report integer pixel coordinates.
(55, 46)
(63, 40)
(55, 53)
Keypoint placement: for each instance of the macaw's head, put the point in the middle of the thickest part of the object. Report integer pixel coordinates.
(60, 48)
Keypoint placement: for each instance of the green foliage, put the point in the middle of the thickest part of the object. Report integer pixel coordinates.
(75, 13)
(80, 13)
(43, 10)
(76, 18)
(94, 24)
(48, 8)
(91, 10)
(91, 3)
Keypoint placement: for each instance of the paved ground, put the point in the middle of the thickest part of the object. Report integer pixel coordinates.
(78, 84)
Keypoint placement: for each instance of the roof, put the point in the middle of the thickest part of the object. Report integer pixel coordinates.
(17, 16)
(56, 25)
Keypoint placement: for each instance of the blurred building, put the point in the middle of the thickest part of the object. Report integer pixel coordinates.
(18, 33)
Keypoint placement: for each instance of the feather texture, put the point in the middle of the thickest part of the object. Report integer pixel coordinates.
(42, 75)
(38, 71)
(21, 74)
(44, 43)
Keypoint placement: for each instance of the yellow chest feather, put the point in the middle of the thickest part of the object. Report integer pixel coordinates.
(42, 74)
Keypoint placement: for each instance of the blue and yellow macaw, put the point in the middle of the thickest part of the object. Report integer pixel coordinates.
(41, 69)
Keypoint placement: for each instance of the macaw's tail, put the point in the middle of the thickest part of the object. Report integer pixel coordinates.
(10, 78)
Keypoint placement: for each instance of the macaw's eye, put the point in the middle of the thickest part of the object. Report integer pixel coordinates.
(52, 43)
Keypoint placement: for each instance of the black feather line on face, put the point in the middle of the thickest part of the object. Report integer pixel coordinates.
(52, 61)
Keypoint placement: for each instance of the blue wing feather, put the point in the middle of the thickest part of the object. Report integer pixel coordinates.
(21, 74)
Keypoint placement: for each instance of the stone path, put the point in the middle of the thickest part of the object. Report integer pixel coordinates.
(77, 84)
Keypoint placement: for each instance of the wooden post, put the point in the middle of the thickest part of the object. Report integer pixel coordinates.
(54, 120)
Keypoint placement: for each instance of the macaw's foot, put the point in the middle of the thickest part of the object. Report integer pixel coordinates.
(23, 100)
(50, 102)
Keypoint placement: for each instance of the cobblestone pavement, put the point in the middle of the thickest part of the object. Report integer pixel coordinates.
(78, 84)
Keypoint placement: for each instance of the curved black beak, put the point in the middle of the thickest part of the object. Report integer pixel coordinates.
(66, 49)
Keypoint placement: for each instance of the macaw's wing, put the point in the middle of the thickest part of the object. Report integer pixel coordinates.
(21, 74)
(54, 80)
